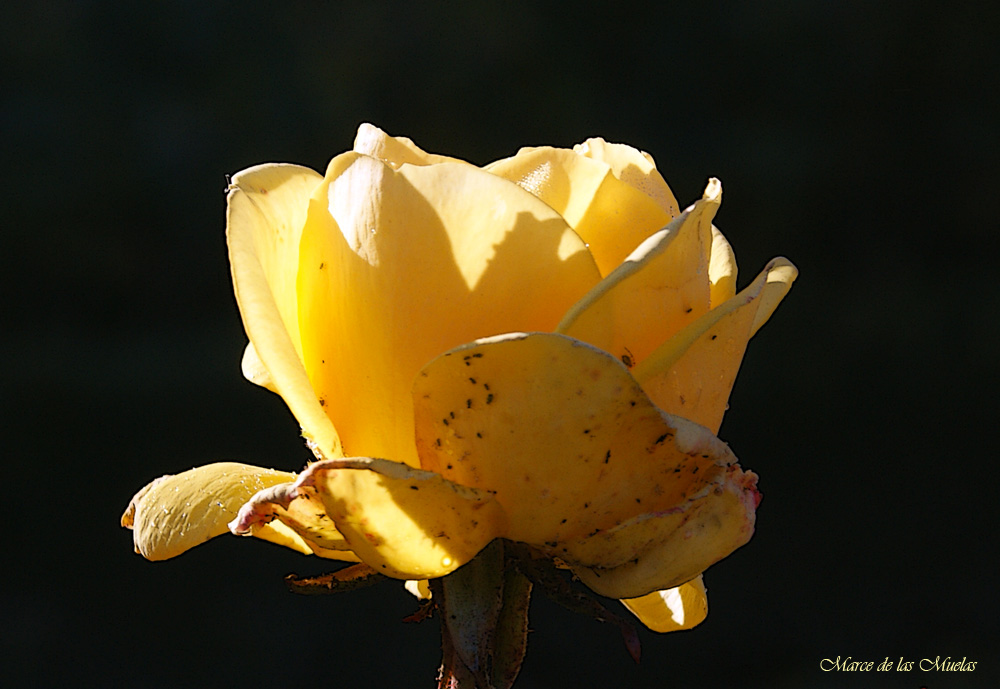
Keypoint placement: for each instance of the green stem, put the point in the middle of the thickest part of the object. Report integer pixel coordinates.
(484, 621)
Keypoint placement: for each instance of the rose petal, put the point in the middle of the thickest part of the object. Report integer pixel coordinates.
(394, 151)
(634, 167)
(721, 269)
(610, 215)
(266, 213)
(692, 374)
(404, 522)
(175, 513)
(672, 610)
(669, 551)
(398, 266)
(419, 588)
(298, 509)
(660, 288)
(254, 369)
(561, 432)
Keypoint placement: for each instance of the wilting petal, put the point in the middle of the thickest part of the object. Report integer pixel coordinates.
(175, 513)
(404, 522)
(561, 432)
(672, 610)
(399, 266)
(394, 150)
(692, 374)
(670, 551)
(267, 210)
(611, 215)
(663, 286)
(300, 511)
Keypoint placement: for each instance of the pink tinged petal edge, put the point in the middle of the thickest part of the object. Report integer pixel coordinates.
(712, 529)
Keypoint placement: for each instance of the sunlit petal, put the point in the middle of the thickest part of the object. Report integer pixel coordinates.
(419, 588)
(721, 269)
(254, 369)
(672, 610)
(394, 150)
(610, 215)
(692, 374)
(663, 286)
(399, 266)
(267, 211)
(177, 512)
(404, 522)
(634, 167)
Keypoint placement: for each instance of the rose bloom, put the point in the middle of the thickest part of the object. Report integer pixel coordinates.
(540, 350)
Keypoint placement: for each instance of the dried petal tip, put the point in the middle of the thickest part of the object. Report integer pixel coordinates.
(713, 191)
(259, 509)
(128, 517)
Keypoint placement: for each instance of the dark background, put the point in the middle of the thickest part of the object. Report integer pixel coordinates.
(859, 139)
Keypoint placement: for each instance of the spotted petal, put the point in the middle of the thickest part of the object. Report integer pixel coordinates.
(565, 437)
(397, 266)
(674, 546)
(672, 610)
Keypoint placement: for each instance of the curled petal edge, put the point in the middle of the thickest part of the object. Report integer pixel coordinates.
(714, 526)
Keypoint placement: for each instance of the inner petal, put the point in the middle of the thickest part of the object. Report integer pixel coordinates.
(610, 215)
(397, 266)
(662, 286)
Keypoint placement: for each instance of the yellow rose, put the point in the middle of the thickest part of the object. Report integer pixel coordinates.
(517, 351)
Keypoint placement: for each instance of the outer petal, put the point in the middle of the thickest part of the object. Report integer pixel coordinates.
(404, 522)
(562, 433)
(398, 266)
(175, 513)
(394, 151)
(672, 548)
(297, 510)
(672, 610)
(267, 210)
(611, 215)
(661, 287)
(692, 374)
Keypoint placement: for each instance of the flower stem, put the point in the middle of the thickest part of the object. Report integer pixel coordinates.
(484, 621)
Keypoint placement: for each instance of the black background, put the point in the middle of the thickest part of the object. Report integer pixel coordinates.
(858, 139)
